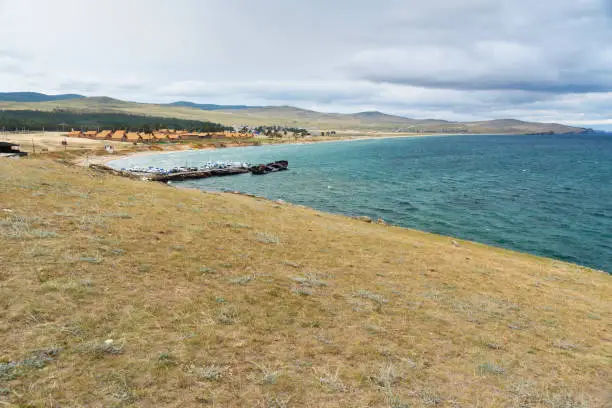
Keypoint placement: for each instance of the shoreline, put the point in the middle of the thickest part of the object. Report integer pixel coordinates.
(107, 159)
(373, 218)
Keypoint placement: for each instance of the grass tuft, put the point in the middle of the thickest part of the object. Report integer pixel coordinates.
(101, 349)
(122, 215)
(227, 316)
(11, 370)
(242, 280)
(332, 381)
(301, 291)
(210, 372)
(309, 280)
(267, 238)
(364, 294)
(564, 345)
(490, 368)
(386, 376)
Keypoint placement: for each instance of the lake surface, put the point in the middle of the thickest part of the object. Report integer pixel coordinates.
(546, 195)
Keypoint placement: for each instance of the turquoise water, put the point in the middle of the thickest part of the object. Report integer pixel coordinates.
(546, 195)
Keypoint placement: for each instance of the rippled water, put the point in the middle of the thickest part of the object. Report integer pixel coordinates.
(547, 195)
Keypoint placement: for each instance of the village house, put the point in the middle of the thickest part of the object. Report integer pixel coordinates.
(104, 135)
(132, 137)
(119, 136)
(147, 137)
(189, 136)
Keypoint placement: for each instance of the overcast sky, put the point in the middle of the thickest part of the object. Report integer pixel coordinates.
(544, 60)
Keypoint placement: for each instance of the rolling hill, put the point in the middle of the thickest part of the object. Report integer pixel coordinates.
(236, 115)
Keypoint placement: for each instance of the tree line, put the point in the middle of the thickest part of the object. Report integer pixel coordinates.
(59, 120)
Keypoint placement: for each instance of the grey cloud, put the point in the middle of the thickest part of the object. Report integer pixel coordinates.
(468, 59)
(321, 91)
(561, 46)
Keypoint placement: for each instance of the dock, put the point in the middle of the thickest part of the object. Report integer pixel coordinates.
(165, 177)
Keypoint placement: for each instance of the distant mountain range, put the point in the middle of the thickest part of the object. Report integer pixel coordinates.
(288, 116)
(209, 106)
(35, 97)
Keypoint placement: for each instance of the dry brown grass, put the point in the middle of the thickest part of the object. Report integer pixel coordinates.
(154, 308)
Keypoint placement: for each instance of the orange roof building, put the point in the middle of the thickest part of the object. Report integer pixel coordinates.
(75, 133)
(103, 135)
(132, 137)
(118, 135)
(190, 136)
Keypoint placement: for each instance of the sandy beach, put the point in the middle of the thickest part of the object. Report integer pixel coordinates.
(126, 152)
(93, 150)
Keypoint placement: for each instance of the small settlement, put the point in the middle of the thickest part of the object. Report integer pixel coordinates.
(162, 135)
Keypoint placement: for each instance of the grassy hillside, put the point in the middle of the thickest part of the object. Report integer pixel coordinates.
(295, 117)
(116, 292)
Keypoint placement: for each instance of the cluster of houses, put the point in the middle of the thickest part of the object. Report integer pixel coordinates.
(162, 135)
